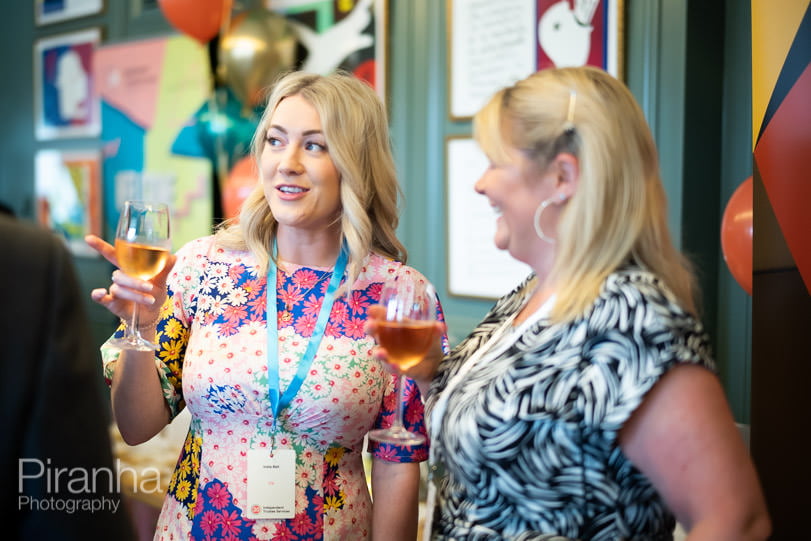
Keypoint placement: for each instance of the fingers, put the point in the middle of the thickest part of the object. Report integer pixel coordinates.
(104, 248)
(129, 288)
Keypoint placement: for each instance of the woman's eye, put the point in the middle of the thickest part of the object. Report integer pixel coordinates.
(273, 141)
(315, 147)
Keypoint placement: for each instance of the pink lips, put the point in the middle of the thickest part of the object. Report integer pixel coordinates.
(291, 192)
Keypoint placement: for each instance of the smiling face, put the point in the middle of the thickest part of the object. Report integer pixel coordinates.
(300, 180)
(514, 189)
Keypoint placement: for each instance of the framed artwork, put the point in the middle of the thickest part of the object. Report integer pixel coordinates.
(65, 101)
(68, 195)
(341, 34)
(494, 44)
(53, 11)
(476, 268)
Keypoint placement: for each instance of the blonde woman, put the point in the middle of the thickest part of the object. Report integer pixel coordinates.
(585, 405)
(281, 393)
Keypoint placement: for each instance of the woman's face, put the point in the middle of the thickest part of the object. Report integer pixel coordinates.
(514, 190)
(301, 182)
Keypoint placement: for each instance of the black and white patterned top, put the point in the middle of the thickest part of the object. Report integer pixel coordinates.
(527, 445)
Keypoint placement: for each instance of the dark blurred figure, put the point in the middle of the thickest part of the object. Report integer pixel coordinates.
(56, 463)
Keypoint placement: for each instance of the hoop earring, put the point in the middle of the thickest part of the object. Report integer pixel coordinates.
(539, 212)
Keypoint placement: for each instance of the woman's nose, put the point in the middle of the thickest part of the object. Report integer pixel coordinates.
(290, 163)
(479, 185)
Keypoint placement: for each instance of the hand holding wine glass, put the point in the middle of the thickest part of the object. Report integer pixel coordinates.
(406, 332)
(142, 245)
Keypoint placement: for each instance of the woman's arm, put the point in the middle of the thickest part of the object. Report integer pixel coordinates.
(395, 490)
(684, 439)
(139, 407)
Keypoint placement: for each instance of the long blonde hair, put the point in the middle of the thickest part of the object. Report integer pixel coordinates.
(619, 211)
(355, 126)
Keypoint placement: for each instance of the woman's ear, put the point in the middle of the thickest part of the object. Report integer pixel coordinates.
(567, 169)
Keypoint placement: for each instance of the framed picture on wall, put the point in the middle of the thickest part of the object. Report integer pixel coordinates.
(494, 44)
(340, 34)
(65, 101)
(53, 11)
(476, 268)
(68, 195)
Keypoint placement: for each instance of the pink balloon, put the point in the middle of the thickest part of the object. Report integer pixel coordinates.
(736, 235)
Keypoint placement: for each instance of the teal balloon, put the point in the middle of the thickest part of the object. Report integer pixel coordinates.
(225, 127)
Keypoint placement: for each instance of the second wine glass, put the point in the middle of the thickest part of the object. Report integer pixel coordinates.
(406, 334)
(142, 246)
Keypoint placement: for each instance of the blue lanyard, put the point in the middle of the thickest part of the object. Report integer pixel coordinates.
(278, 403)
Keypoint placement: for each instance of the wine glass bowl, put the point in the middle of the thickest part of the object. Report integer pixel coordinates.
(406, 334)
(142, 245)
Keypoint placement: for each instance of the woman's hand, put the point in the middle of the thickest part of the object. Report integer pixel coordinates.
(421, 373)
(127, 290)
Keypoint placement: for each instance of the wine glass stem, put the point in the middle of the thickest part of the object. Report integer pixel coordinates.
(132, 332)
(398, 416)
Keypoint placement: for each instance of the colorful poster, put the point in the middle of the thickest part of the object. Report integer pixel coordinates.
(64, 97)
(340, 34)
(149, 90)
(68, 194)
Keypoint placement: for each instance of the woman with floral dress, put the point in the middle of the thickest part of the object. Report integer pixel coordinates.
(282, 388)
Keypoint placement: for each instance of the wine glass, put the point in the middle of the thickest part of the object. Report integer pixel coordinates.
(406, 334)
(142, 246)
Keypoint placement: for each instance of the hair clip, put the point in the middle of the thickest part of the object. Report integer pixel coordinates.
(568, 126)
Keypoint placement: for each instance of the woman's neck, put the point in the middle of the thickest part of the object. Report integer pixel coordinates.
(308, 248)
(539, 295)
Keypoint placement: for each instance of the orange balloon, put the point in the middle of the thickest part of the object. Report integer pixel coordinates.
(240, 183)
(200, 19)
(736, 235)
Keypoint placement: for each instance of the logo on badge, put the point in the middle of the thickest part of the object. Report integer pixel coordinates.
(255, 509)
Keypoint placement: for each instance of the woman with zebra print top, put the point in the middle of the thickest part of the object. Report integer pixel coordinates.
(585, 405)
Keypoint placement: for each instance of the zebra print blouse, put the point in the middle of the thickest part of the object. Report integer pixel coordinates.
(528, 442)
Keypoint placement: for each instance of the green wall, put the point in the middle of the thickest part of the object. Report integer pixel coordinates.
(687, 63)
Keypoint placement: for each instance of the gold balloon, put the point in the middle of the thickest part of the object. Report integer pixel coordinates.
(256, 48)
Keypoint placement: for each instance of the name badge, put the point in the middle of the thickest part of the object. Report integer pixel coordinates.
(271, 484)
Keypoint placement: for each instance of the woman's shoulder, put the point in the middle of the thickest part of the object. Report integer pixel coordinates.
(208, 249)
(378, 268)
(635, 287)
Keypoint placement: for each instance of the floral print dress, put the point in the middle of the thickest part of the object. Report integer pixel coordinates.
(213, 360)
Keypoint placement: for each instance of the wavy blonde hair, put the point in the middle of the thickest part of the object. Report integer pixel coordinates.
(355, 126)
(619, 211)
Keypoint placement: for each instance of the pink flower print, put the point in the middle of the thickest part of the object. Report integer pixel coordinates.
(218, 495)
(358, 302)
(301, 524)
(282, 533)
(340, 311)
(331, 487)
(312, 305)
(229, 328)
(413, 416)
(305, 325)
(290, 295)
(235, 272)
(209, 522)
(257, 304)
(387, 452)
(374, 291)
(234, 313)
(305, 279)
(252, 287)
(354, 327)
(334, 329)
(230, 522)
